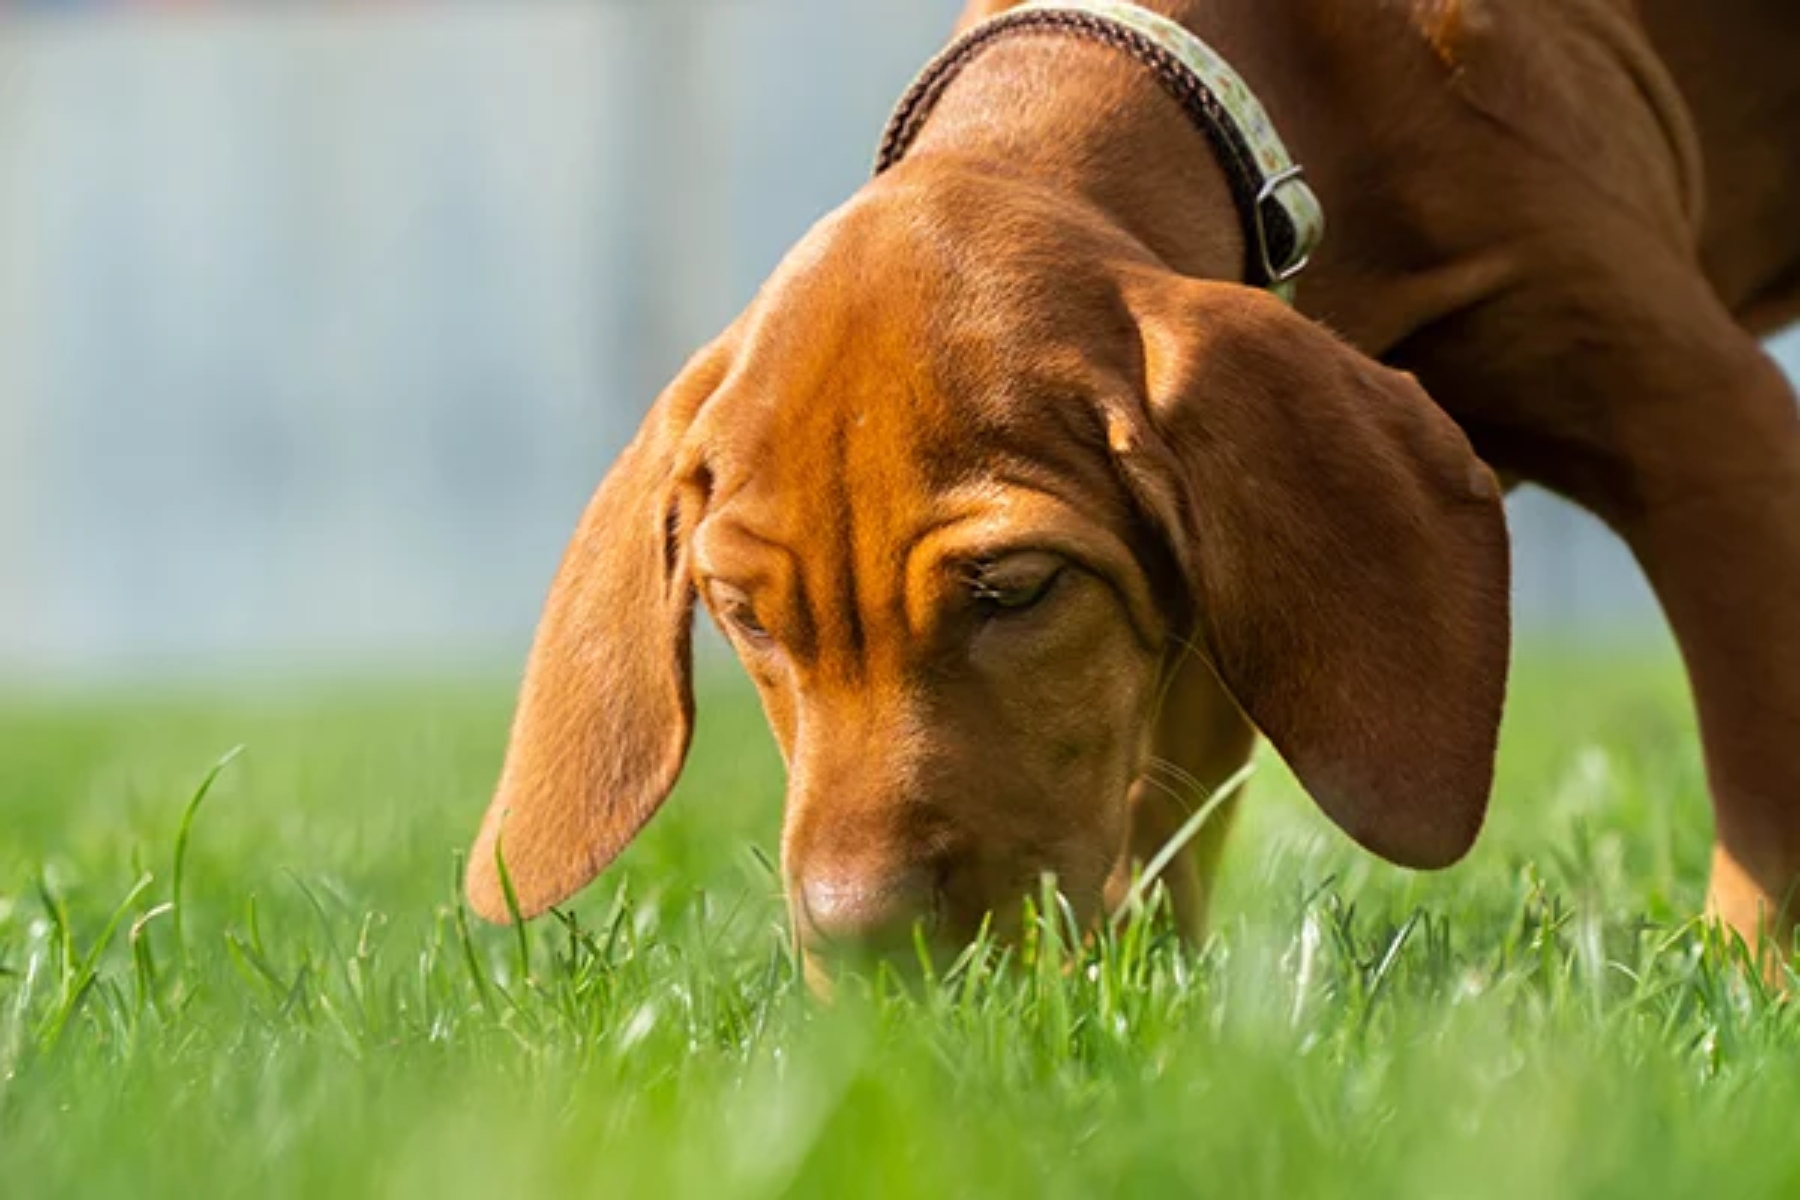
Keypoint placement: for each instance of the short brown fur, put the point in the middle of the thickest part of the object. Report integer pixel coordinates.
(1023, 515)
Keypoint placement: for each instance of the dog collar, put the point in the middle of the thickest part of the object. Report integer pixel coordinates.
(1283, 220)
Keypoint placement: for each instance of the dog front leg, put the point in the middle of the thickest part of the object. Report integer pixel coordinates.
(1720, 543)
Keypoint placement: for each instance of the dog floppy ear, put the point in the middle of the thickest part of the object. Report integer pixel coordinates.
(607, 707)
(1345, 552)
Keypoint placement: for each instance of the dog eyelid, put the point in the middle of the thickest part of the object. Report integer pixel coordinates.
(998, 594)
(735, 610)
(746, 623)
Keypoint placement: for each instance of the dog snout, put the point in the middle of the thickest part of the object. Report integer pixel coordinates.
(856, 915)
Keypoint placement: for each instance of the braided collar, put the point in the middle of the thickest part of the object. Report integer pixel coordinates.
(1283, 221)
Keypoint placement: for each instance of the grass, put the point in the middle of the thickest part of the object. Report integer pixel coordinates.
(268, 988)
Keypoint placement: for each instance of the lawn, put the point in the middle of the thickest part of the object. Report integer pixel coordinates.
(290, 1001)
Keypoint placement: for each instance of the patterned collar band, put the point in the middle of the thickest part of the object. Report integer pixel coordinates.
(1283, 221)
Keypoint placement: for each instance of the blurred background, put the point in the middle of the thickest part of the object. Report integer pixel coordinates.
(319, 322)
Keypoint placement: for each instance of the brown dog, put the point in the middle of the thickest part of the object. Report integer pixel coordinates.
(1020, 508)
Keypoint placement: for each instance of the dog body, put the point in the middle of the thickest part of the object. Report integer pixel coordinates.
(1025, 517)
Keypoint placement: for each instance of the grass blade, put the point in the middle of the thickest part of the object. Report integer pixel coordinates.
(182, 838)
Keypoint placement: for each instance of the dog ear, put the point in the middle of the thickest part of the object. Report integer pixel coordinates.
(607, 707)
(1345, 551)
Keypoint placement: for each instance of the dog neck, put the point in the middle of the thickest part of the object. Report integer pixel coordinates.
(1091, 121)
(1357, 93)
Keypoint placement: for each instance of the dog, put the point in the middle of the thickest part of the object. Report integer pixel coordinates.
(1028, 504)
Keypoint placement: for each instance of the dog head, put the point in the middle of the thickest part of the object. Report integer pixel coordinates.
(968, 479)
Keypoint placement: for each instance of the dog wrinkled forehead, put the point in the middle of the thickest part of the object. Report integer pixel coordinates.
(921, 320)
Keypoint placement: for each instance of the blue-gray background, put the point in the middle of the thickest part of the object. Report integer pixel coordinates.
(319, 322)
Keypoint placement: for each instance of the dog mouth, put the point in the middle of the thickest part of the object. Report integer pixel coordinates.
(939, 928)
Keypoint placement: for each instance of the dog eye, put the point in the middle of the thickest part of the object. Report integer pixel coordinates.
(999, 596)
(742, 618)
(736, 613)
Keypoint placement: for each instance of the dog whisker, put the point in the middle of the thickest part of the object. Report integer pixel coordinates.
(1183, 799)
(1176, 771)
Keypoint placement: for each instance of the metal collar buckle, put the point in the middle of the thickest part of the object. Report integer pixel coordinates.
(1279, 273)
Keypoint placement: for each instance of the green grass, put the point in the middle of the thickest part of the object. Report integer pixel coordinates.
(283, 997)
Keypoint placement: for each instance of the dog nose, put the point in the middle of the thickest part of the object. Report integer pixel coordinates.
(849, 915)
